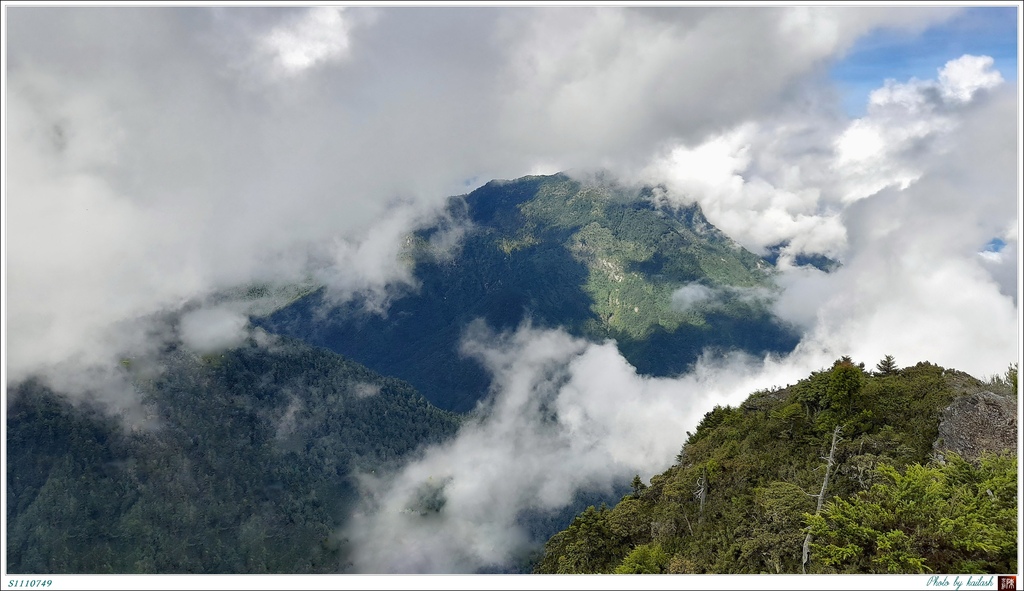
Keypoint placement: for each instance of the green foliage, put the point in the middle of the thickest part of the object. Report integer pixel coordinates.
(509, 245)
(638, 486)
(1006, 383)
(629, 522)
(953, 517)
(644, 559)
(775, 537)
(887, 366)
(246, 465)
(887, 508)
(587, 546)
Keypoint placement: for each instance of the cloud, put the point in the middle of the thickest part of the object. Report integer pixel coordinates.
(598, 87)
(365, 390)
(750, 208)
(957, 83)
(211, 330)
(691, 295)
(962, 77)
(904, 118)
(696, 295)
(134, 189)
(318, 35)
(1003, 264)
(912, 282)
(906, 197)
(788, 179)
(564, 415)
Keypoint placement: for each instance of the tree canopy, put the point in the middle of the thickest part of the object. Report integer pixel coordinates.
(742, 496)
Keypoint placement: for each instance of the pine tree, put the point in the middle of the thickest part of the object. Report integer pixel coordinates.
(887, 366)
(638, 486)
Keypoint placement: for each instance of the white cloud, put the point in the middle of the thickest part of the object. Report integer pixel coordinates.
(688, 296)
(606, 85)
(565, 415)
(212, 330)
(695, 295)
(756, 205)
(963, 77)
(365, 390)
(318, 36)
(991, 256)
(788, 178)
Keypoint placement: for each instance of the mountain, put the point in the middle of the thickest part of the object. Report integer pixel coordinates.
(246, 464)
(596, 258)
(898, 498)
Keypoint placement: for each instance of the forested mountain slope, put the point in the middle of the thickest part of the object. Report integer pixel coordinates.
(743, 495)
(599, 259)
(246, 465)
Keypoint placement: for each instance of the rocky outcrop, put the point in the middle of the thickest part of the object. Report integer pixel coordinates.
(976, 423)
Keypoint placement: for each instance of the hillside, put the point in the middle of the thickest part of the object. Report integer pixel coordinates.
(743, 494)
(599, 259)
(246, 466)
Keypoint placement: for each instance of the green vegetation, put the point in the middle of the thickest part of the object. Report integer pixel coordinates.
(957, 517)
(1006, 383)
(742, 496)
(635, 255)
(246, 466)
(597, 259)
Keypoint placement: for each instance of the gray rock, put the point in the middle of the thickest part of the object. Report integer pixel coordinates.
(976, 423)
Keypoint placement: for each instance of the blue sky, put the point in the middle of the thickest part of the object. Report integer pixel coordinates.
(887, 53)
(995, 245)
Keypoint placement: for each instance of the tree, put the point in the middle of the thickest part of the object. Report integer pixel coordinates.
(644, 559)
(821, 497)
(588, 545)
(958, 517)
(1006, 383)
(638, 486)
(773, 543)
(778, 458)
(840, 402)
(887, 366)
(701, 493)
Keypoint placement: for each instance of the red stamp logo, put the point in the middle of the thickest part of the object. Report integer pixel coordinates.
(1008, 583)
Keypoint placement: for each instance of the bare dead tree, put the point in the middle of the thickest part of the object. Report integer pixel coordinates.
(830, 461)
(701, 494)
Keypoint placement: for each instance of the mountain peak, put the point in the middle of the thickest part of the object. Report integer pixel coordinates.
(602, 259)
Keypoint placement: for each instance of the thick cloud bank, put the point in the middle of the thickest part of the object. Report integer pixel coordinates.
(157, 156)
